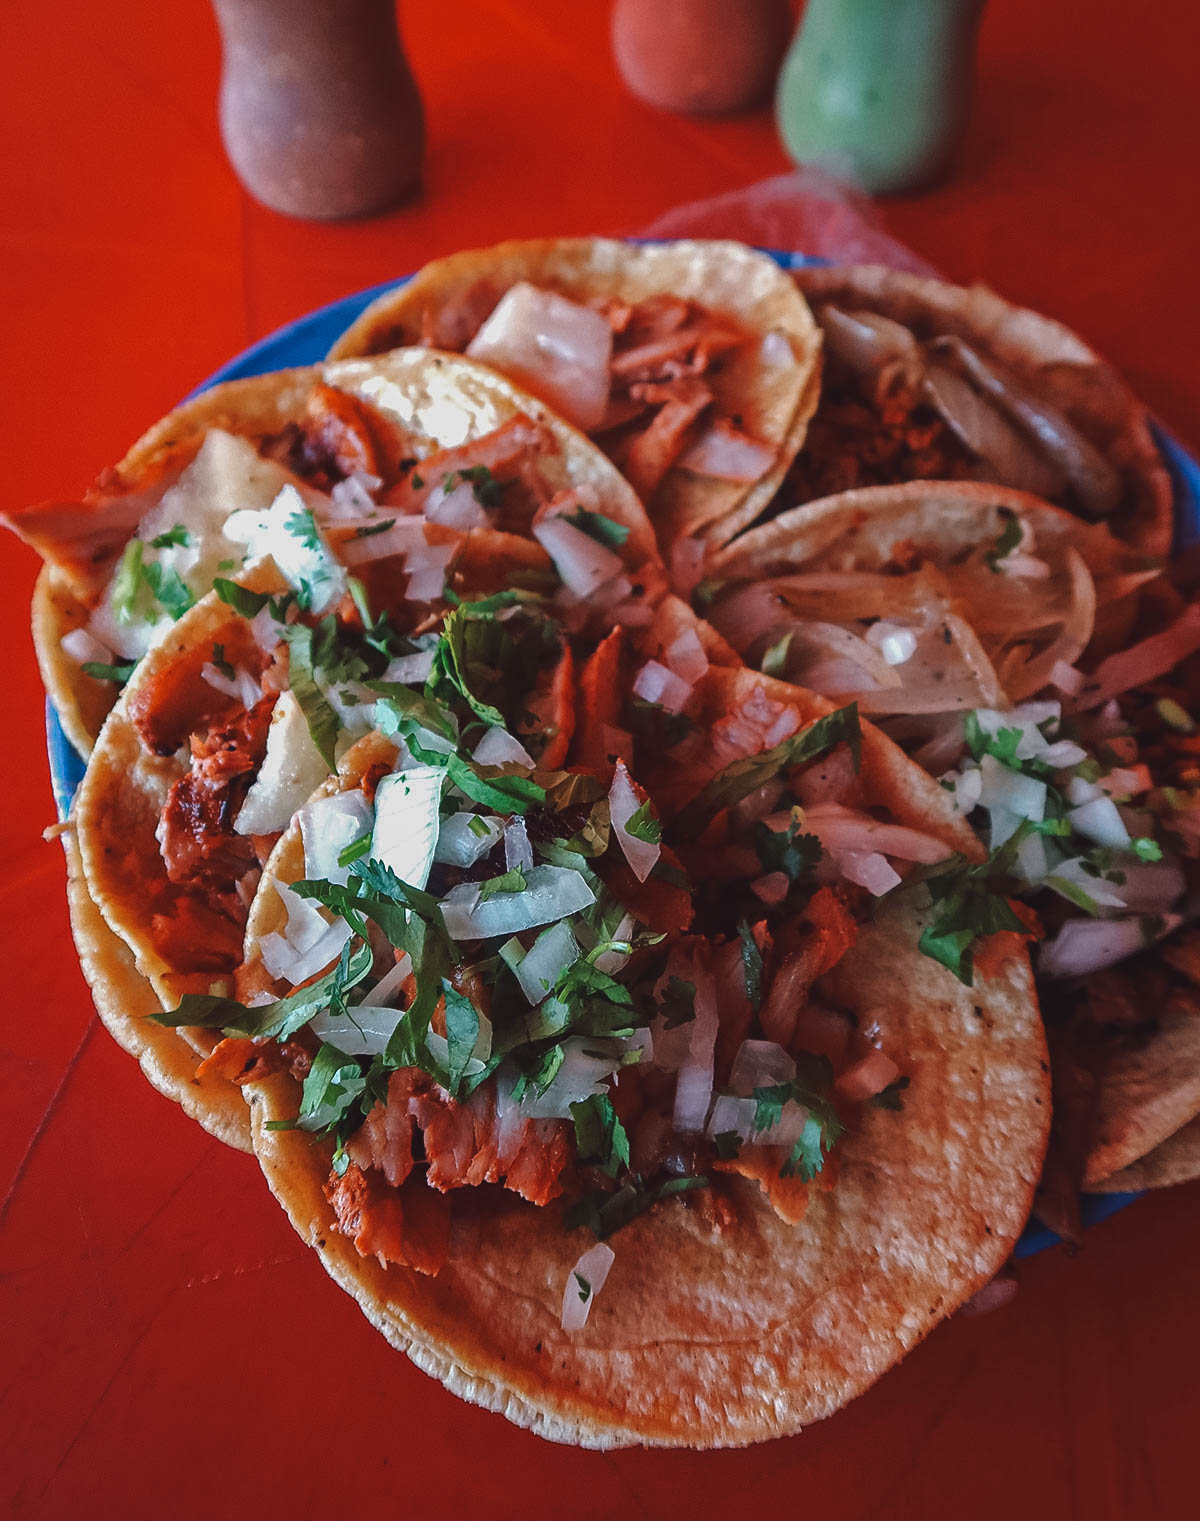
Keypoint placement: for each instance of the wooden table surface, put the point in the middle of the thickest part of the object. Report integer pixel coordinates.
(169, 1345)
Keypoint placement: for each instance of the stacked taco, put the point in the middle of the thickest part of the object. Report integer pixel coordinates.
(628, 994)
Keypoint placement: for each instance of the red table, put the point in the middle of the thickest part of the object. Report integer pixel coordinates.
(170, 1346)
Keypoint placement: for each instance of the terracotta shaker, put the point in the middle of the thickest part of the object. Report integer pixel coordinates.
(319, 112)
(700, 56)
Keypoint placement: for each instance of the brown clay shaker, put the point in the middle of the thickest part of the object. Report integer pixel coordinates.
(700, 56)
(319, 111)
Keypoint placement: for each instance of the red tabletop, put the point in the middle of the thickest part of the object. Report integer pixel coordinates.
(170, 1345)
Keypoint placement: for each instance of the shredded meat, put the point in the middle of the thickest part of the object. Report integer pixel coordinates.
(196, 833)
(337, 436)
(410, 1227)
(655, 449)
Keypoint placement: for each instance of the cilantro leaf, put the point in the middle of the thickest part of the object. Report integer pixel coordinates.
(643, 825)
(321, 719)
(488, 491)
(677, 1002)
(168, 589)
(971, 902)
(774, 660)
(787, 850)
(449, 670)
(728, 1144)
(127, 581)
(221, 663)
(1010, 538)
(600, 1138)
(585, 1288)
(506, 794)
(101, 672)
(462, 1031)
(752, 964)
(303, 526)
(333, 1085)
(510, 882)
(597, 526)
(176, 535)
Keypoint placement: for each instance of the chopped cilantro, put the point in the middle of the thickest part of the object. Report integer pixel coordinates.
(677, 1002)
(585, 1288)
(969, 906)
(597, 526)
(321, 719)
(643, 825)
(220, 662)
(355, 850)
(168, 589)
(368, 529)
(487, 489)
(1010, 538)
(774, 661)
(101, 672)
(333, 1084)
(177, 535)
(506, 794)
(752, 964)
(1175, 716)
(1146, 849)
(462, 1031)
(605, 1214)
(788, 850)
(303, 526)
(600, 1138)
(241, 598)
(510, 882)
(810, 1089)
(127, 581)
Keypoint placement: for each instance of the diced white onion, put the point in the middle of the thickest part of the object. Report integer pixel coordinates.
(584, 1282)
(351, 498)
(554, 950)
(282, 960)
(410, 670)
(724, 452)
(871, 871)
(1099, 820)
(734, 1114)
(760, 1064)
(1080, 791)
(693, 1088)
(518, 852)
(303, 559)
(457, 508)
(1012, 790)
(685, 656)
(290, 772)
(265, 629)
(585, 1071)
(623, 802)
(894, 641)
(499, 748)
(327, 826)
(361, 1031)
(550, 894)
(466, 838)
(1075, 874)
(79, 645)
(406, 822)
(1063, 753)
(386, 989)
(583, 564)
(657, 684)
(305, 920)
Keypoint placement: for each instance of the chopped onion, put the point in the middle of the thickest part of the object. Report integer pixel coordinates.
(870, 871)
(685, 656)
(410, 670)
(465, 838)
(584, 1282)
(265, 628)
(518, 852)
(80, 646)
(291, 770)
(557, 349)
(457, 508)
(305, 921)
(282, 960)
(724, 452)
(1099, 820)
(554, 950)
(551, 893)
(1080, 791)
(499, 748)
(1066, 678)
(1012, 790)
(327, 826)
(624, 799)
(1075, 874)
(1063, 753)
(896, 643)
(351, 498)
(361, 1031)
(1089, 945)
(1151, 887)
(656, 684)
(967, 787)
(406, 822)
(386, 989)
(582, 564)
(304, 560)
(693, 1087)
(734, 1114)
(760, 1064)
(613, 960)
(841, 828)
(585, 1071)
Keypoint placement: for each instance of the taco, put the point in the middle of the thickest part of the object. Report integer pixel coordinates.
(347, 441)
(619, 1104)
(1023, 656)
(694, 365)
(241, 707)
(925, 380)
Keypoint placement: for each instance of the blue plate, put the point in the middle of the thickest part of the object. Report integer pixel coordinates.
(308, 340)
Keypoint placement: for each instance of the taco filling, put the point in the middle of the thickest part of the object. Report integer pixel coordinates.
(599, 985)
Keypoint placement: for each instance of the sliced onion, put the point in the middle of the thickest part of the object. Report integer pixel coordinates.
(361, 1031)
(895, 642)
(1089, 945)
(499, 748)
(392, 981)
(465, 838)
(657, 684)
(583, 565)
(327, 826)
(351, 498)
(693, 1088)
(732, 1114)
(591, 1271)
(406, 822)
(624, 799)
(551, 893)
(1011, 790)
(989, 435)
(585, 1072)
(291, 771)
(265, 628)
(1075, 874)
(305, 920)
(557, 349)
(865, 341)
(870, 871)
(554, 950)
(841, 828)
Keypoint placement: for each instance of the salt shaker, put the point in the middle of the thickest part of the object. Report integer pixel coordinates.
(700, 56)
(877, 91)
(319, 111)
